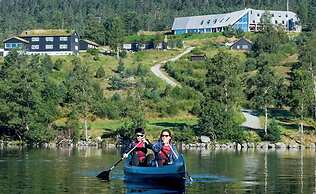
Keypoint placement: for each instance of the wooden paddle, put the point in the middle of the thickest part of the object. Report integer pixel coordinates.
(105, 175)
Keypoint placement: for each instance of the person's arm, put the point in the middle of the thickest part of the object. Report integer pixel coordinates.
(174, 152)
(129, 147)
(156, 147)
(148, 144)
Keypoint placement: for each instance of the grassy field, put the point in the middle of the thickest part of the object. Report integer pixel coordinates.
(109, 63)
(149, 58)
(154, 125)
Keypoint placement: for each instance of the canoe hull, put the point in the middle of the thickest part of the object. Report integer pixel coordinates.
(169, 174)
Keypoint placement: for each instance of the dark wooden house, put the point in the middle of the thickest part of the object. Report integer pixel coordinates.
(137, 46)
(84, 45)
(51, 42)
(131, 46)
(242, 44)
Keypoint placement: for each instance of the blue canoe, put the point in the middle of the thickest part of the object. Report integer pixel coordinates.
(170, 174)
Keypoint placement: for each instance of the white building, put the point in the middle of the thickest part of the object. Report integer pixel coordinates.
(247, 20)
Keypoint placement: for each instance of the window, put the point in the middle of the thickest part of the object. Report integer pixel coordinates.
(49, 46)
(276, 21)
(49, 39)
(202, 22)
(16, 45)
(283, 22)
(251, 12)
(245, 46)
(63, 38)
(273, 15)
(76, 47)
(286, 15)
(7, 45)
(63, 46)
(208, 21)
(76, 39)
(254, 21)
(238, 47)
(12, 45)
(35, 39)
(34, 47)
(258, 14)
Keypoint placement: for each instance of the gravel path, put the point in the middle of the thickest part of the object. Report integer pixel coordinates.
(156, 69)
(252, 120)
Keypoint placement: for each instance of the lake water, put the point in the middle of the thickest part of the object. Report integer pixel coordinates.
(74, 170)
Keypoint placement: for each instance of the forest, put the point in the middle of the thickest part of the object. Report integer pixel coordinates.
(94, 19)
(43, 98)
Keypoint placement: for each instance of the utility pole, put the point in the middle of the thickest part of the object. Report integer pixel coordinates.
(287, 5)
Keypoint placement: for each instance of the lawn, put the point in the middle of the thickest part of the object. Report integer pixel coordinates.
(149, 57)
(154, 125)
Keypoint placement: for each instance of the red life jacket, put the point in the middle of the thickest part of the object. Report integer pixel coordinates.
(164, 153)
(141, 151)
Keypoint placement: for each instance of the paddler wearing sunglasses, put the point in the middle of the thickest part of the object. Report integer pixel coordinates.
(139, 156)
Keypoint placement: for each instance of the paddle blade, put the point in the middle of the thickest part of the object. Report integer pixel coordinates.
(104, 175)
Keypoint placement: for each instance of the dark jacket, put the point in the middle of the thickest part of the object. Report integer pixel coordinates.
(143, 149)
(173, 155)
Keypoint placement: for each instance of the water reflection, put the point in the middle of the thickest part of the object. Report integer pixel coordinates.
(25, 170)
(134, 187)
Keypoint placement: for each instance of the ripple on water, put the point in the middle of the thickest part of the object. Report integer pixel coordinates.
(114, 175)
(205, 178)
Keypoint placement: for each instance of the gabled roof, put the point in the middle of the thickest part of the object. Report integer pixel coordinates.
(243, 39)
(46, 32)
(208, 21)
(18, 38)
(90, 42)
(240, 40)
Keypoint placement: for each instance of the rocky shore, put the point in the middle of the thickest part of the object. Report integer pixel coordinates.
(246, 146)
(99, 143)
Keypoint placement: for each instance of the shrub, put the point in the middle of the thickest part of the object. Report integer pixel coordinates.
(185, 93)
(123, 54)
(117, 82)
(251, 136)
(196, 109)
(186, 134)
(167, 108)
(153, 94)
(274, 131)
(93, 51)
(120, 67)
(251, 64)
(141, 70)
(100, 73)
(58, 64)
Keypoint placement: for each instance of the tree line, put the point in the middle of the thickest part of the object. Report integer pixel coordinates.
(41, 101)
(228, 86)
(106, 21)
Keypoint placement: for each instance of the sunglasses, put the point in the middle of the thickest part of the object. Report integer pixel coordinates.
(140, 135)
(165, 135)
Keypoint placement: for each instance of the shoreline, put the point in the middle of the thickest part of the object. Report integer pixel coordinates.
(181, 145)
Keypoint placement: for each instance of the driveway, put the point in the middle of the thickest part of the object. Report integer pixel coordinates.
(156, 69)
(252, 120)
